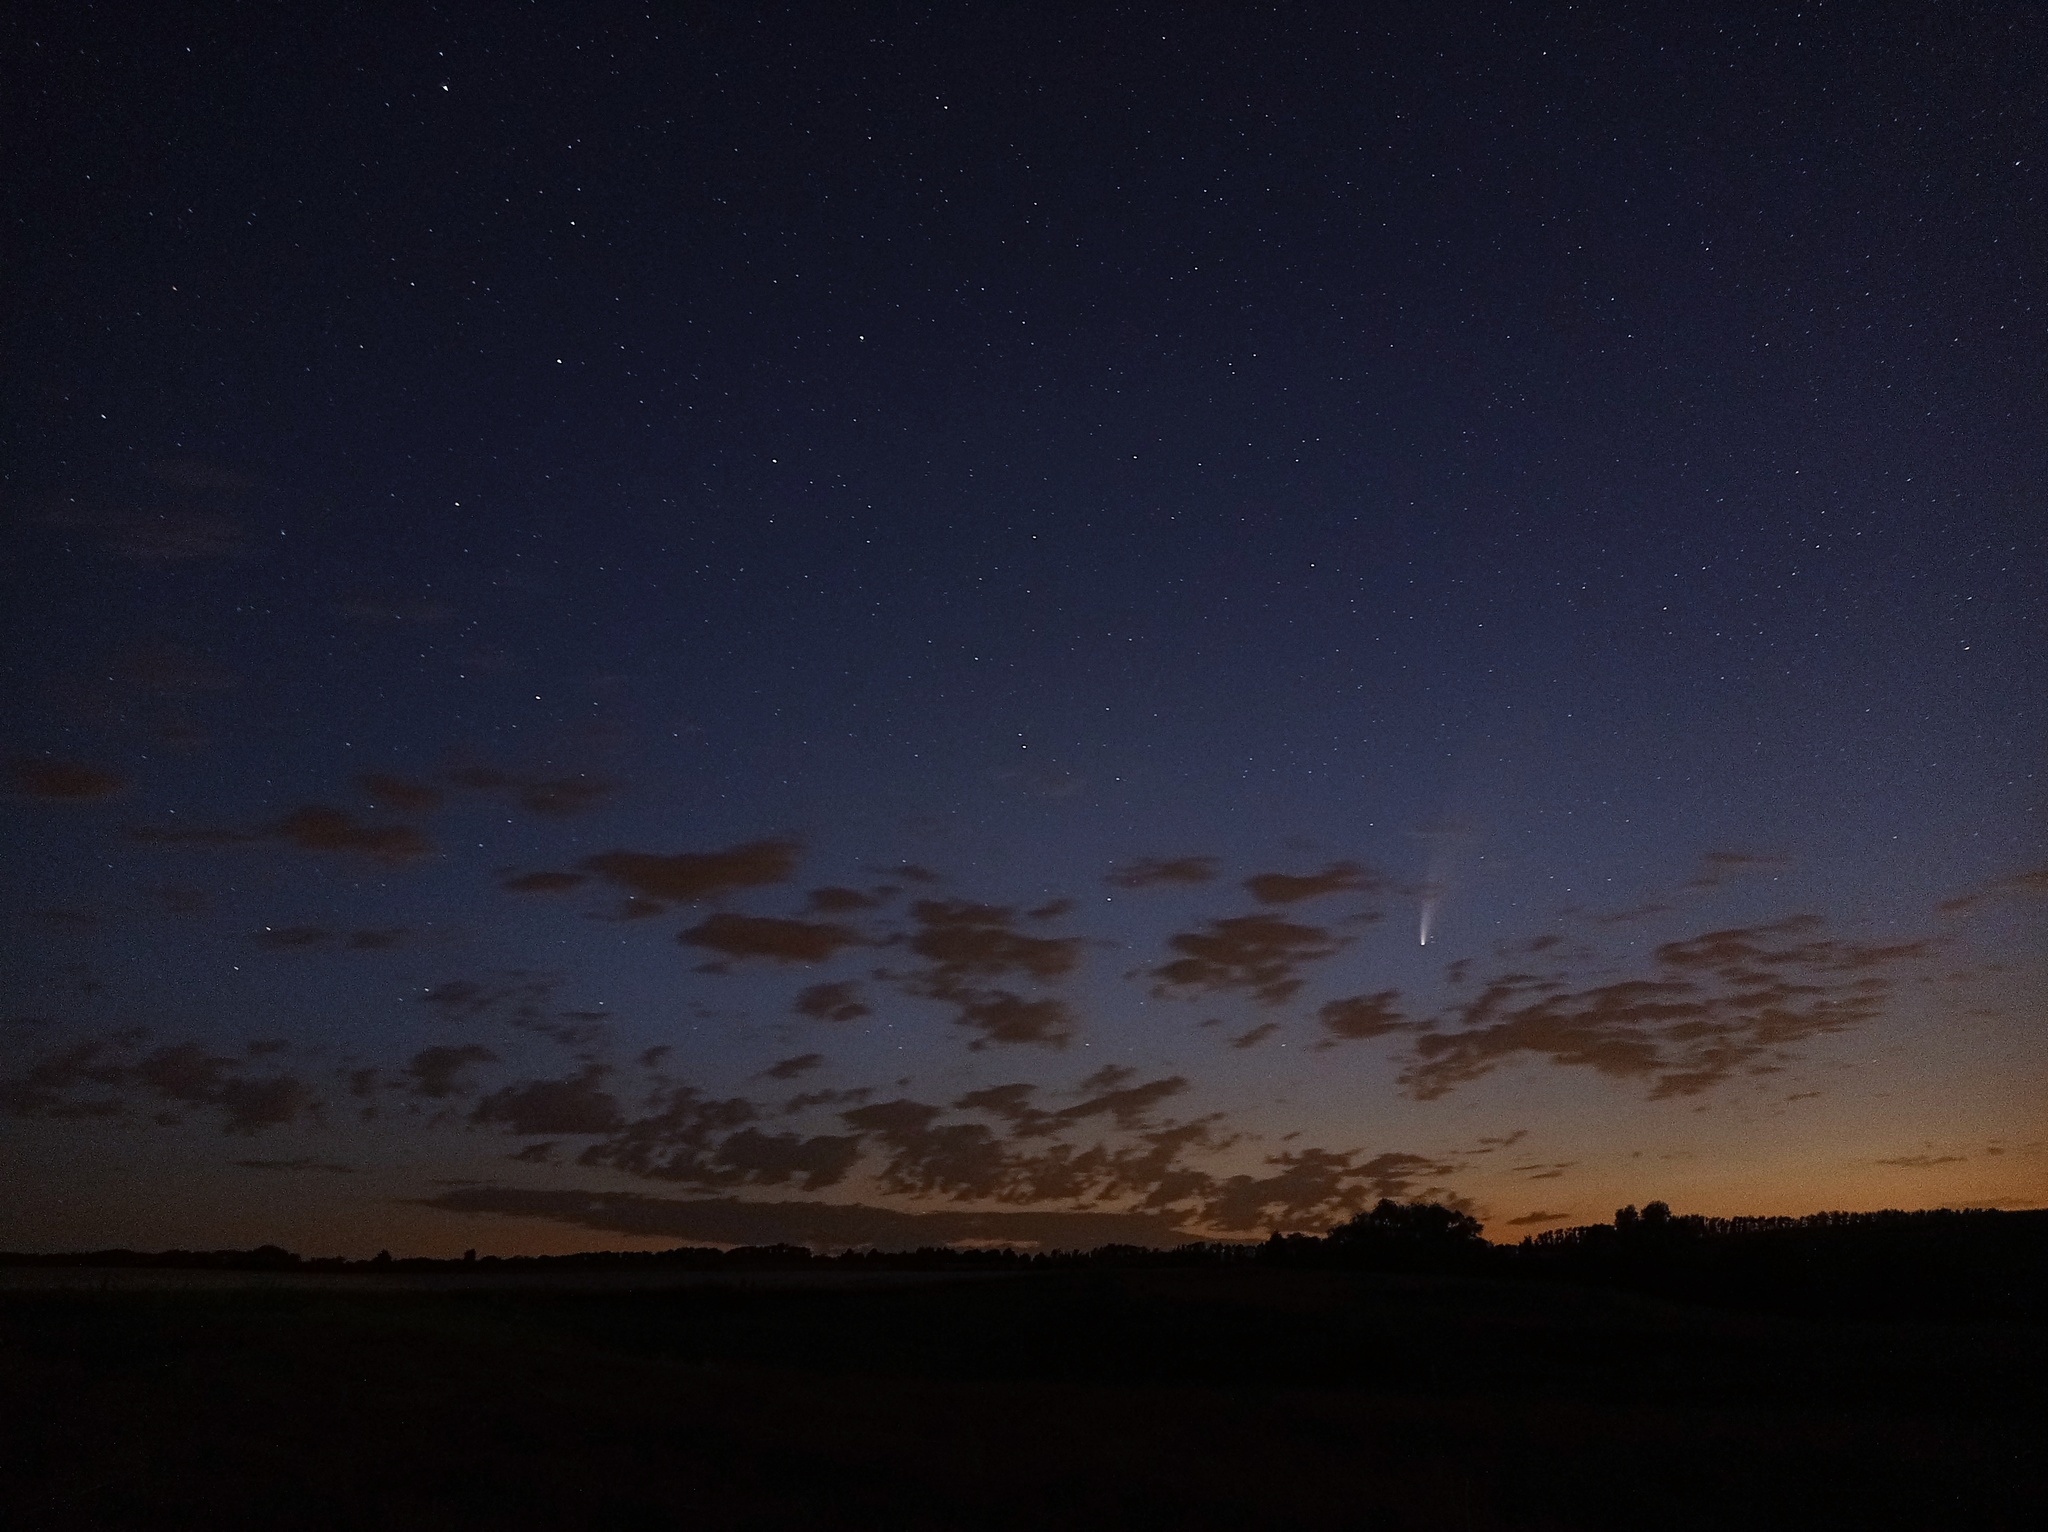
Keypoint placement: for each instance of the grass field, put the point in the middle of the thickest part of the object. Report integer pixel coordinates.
(1139, 1399)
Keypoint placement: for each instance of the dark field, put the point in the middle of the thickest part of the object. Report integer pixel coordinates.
(1202, 1398)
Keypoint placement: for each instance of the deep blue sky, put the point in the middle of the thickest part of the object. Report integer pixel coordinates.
(1582, 473)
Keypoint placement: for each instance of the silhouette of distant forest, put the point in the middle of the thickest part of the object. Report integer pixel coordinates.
(1835, 1371)
(1936, 1264)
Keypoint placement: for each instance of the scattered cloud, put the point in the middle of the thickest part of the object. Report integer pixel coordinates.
(820, 1225)
(688, 876)
(966, 946)
(831, 1002)
(1256, 1035)
(1260, 954)
(1358, 1017)
(110, 1076)
(172, 535)
(436, 1072)
(2020, 884)
(299, 1164)
(761, 936)
(1153, 872)
(387, 791)
(549, 883)
(1719, 867)
(791, 1068)
(1709, 1006)
(1527, 1219)
(1290, 888)
(62, 781)
(313, 828)
(533, 1108)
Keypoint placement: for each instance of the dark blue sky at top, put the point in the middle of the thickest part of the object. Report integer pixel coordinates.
(1028, 438)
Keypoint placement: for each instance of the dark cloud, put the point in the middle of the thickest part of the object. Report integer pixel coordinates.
(62, 781)
(536, 1154)
(576, 1105)
(1718, 867)
(1312, 1189)
(300, 1164)
(2021, 884)
(688, 876)
(313, 828)
(1358, 1017)
(377, 940)
(965, 946)
(791, 1068)
(1152, 872)
(1290, 888)
(1535, 1218)
(1260, 954)
(1709, 1006)
(291, 938)
(323, 829)
(831, 1002)
(842, 901)
(820, 1225)
(550, 883)
(762, 936)
(437, 1071)
(393, 792)
(804, 1101)
(1924, 1161)
(159, 536)
(1256, 1035)
(103, 1077)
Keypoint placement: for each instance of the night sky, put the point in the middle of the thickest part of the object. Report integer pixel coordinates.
(1049, 624)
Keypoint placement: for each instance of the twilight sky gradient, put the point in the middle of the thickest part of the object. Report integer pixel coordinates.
(862, 625)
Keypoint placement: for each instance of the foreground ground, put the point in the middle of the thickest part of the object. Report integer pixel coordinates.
(1124, 1399)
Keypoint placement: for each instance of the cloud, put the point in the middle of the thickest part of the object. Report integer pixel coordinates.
(790, 1068)
(1288, 888)
(820, 1225)
(1528, 1219)
(1152, 872)
(842, 901)
(533, 1108)
(1709, 1006)
(291, 938)
(761, 936)
(548, 883)
(1256, 1035)
(436, 1071)
(1358, 1017)
(402, 793)
(1924, 1161)
(1313, 1188)
(688, 876)
(299, 1164)
(313, 828)
(831, 1002)
(376, 940)
(1718, 867)
(1257, 953)
(965, 946)
(62, 781)
(113, 1071)
(159, 537)
(2020, 884)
